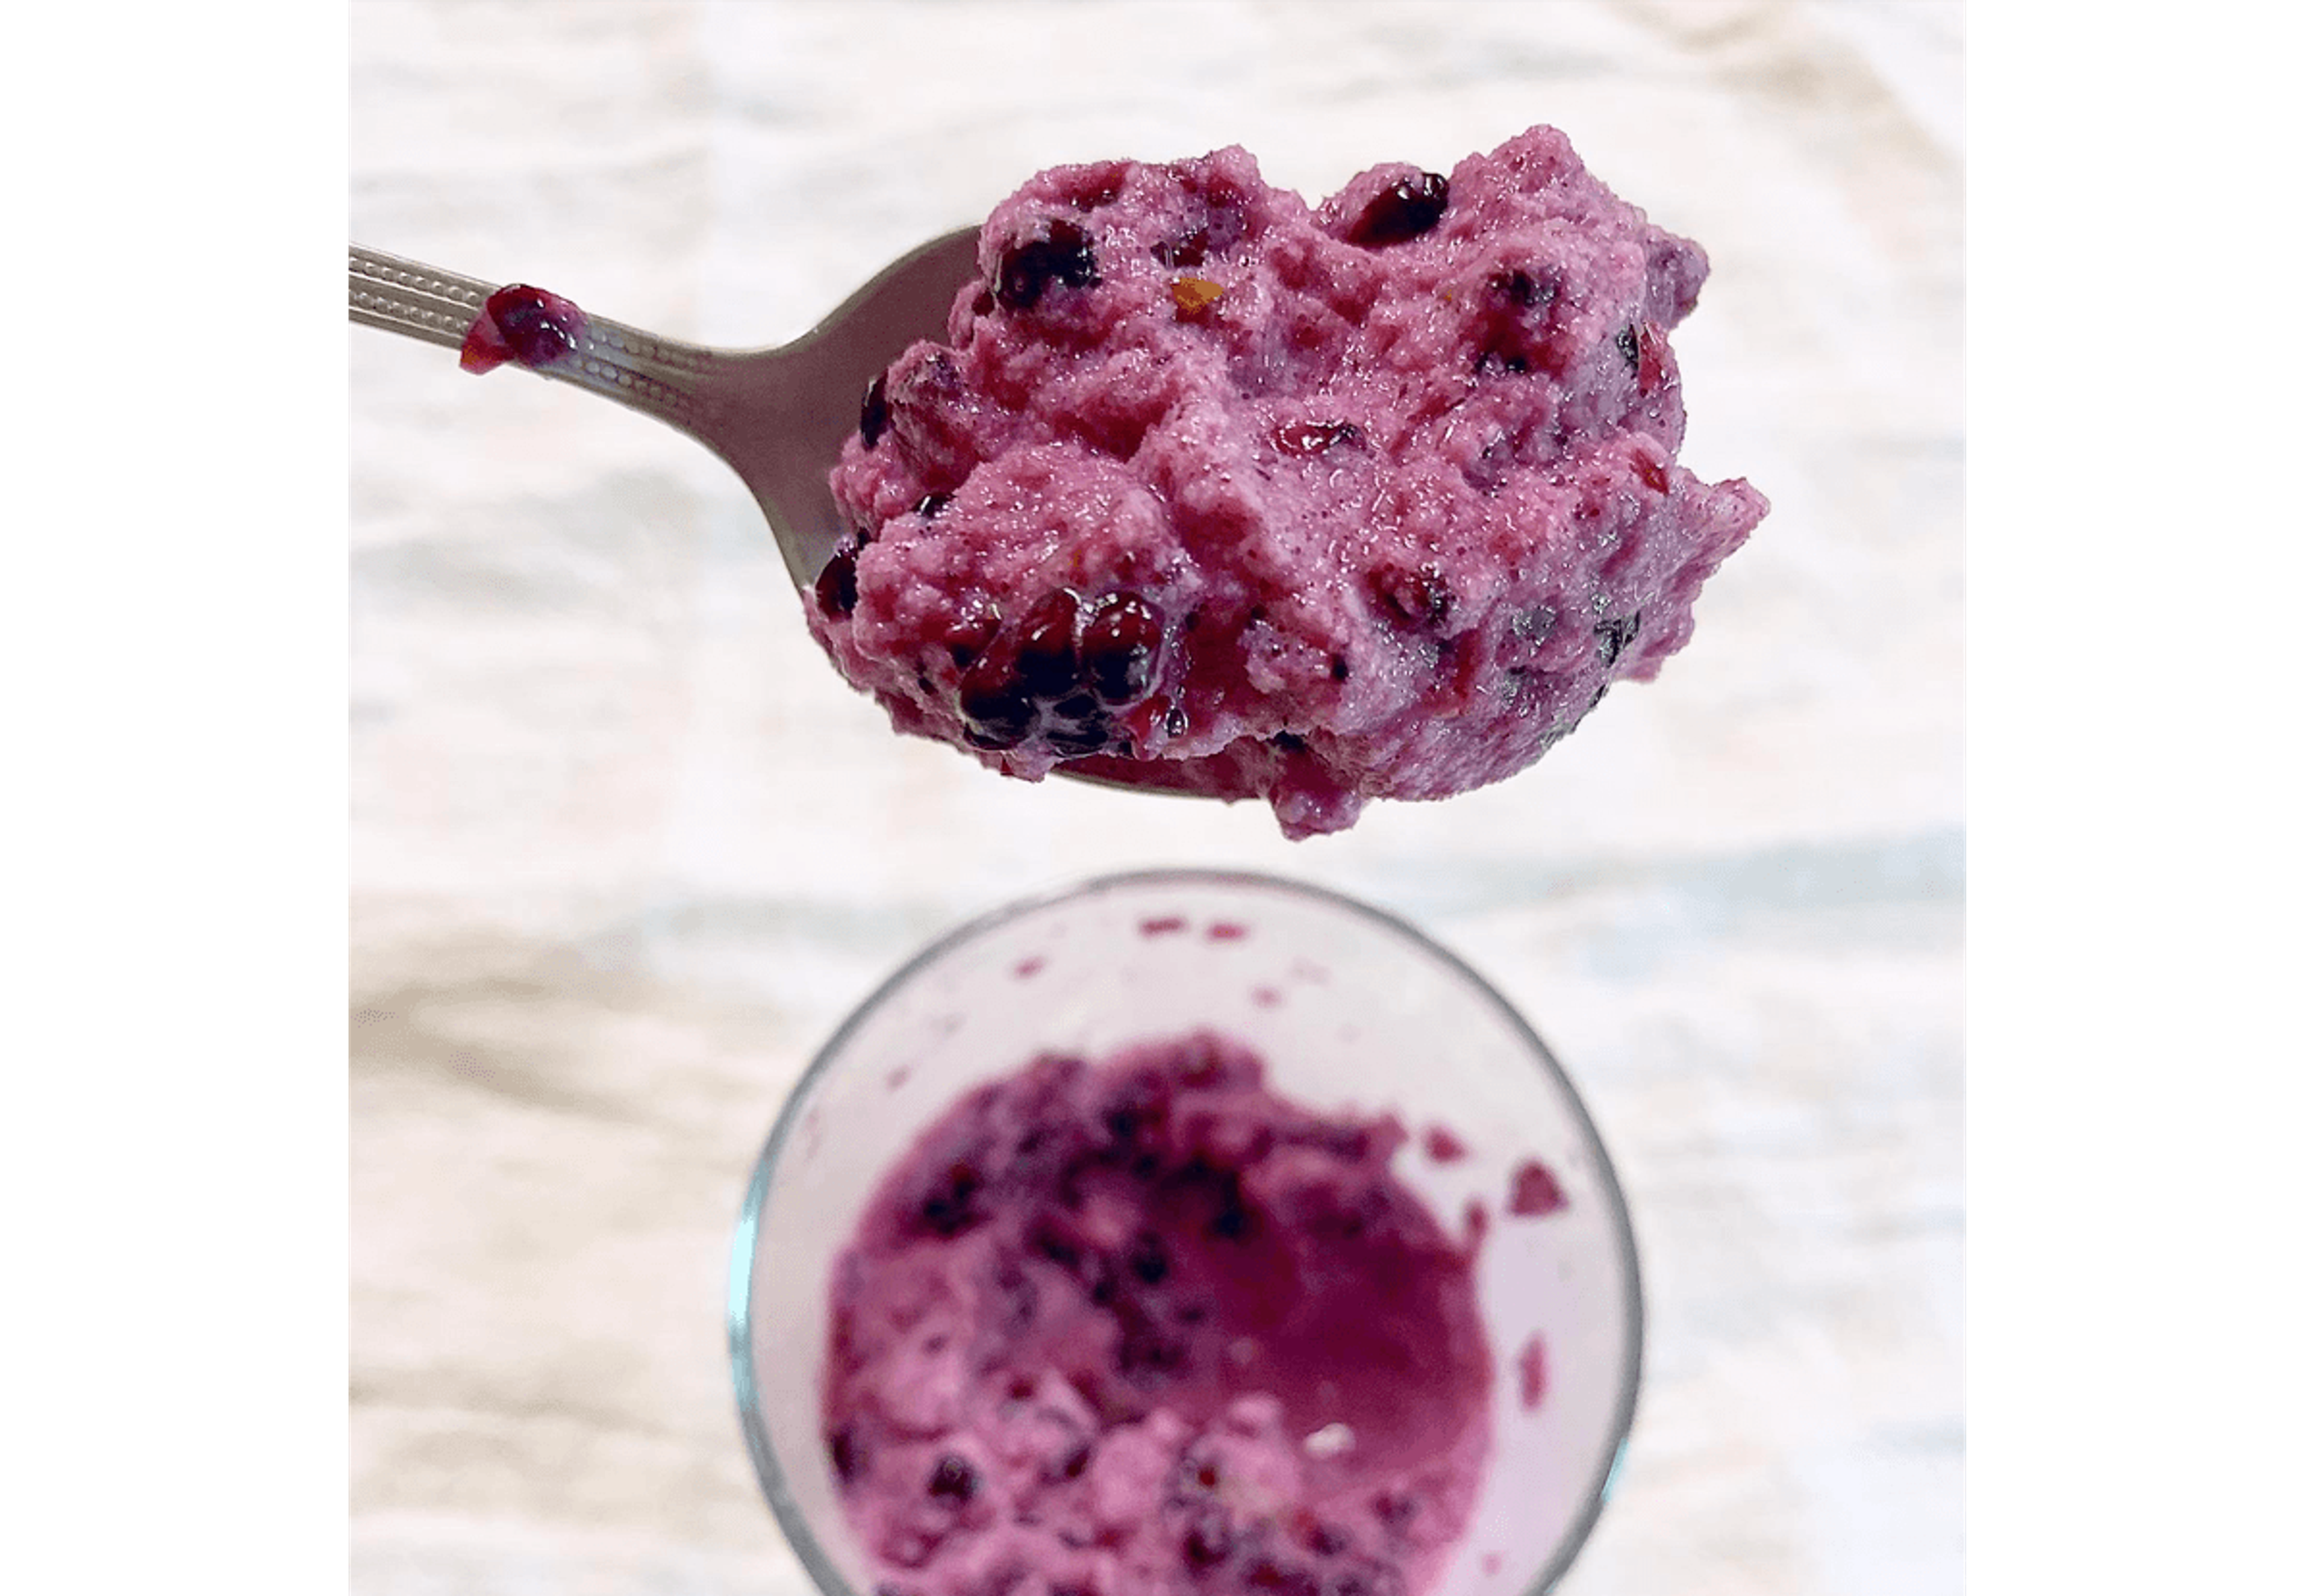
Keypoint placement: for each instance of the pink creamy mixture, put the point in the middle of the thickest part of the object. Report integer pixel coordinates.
(1147, 1328)
(1212, 491)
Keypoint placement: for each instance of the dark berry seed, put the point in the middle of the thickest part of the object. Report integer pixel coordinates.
(538, 327)
(1063, 255)
(1627, 342)
(998, 723)
(947, 1209)
(1137, 1109)
(1073, 742)
(1341, 669)
(838, 587)
(1327, 1541)
(1522, 290)
(1047, 656)
(932, 504)
(1208, 1541)
(1079, 1459)
(993, 702)
(969, 632)
(1615, 636)
(1286, 742)
(1147, 1259)
(846, 1453)
(953, 1481)
(1121, 642)
(1405, 209)
(875, 414)
(1079, 708)
(1176, 721)
(1315, 437)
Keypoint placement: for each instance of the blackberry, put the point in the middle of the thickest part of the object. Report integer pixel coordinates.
(1120, 647)
(1063, 255)
(997, 711)
(838, 587)
(1406, 209)
(1045, 660)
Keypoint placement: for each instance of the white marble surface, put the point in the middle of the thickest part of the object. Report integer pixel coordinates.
(624, 850)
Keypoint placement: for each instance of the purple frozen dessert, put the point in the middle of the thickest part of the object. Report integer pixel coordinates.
(1145, 1328)
(1212, 492)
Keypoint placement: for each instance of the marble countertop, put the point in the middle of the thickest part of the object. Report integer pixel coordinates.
(624, 850)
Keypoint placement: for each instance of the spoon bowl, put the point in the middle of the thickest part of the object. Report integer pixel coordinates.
(776, 416)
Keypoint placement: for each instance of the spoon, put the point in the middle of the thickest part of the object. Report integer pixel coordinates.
(777, 417)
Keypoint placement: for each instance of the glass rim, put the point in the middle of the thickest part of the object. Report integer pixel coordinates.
(739, 1298)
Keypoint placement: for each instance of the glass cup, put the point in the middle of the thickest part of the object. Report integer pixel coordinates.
(1353, 1011)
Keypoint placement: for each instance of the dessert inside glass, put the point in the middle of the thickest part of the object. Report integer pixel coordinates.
(1185, 1231)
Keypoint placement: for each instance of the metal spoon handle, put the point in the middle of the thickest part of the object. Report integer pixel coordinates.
(418, 302)
(663, 378)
